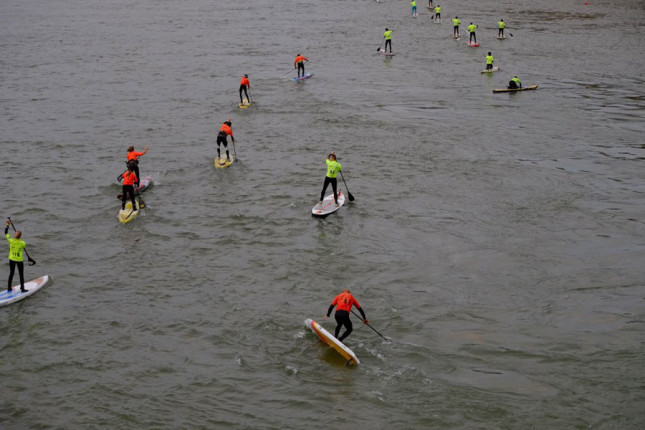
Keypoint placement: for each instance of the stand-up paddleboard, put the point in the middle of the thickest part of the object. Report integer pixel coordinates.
(501, 37)
(328, 205)
(15, 295)
(300, 78)
(330, 340)
(438, 21)
(144, 184)
(456, 37)
(222, 162)
(494, 69)
(387, 54)
(126, 215)
(473, 44)
(513, 90)
(245, 103)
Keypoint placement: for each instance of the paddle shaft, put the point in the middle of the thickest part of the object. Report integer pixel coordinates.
(379, 47)
(351, 197)
(370, 326)
(31, 260)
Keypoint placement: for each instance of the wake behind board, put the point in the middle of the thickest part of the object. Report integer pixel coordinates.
(328, 205)
(494, 69)
(245, 103)
(300, 78)
(513, 90)
(15, 295)
(126, 215)
(473, 44)
(223, 163)
(330, 340)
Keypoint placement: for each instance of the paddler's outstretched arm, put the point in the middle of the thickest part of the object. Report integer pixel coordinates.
(365, 321)
(331, 308)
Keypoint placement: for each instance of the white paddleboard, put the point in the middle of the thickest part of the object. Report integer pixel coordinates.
(494, 69)
(330, 340)
(33, 286)
(328, 205)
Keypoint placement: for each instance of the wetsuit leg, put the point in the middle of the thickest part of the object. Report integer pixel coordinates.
(135, 169)
(325, 184)
(301, 66)
(333, 186)
(221, 140)
(21, 273)
(342, 318)
(388, 42)
(12, 269)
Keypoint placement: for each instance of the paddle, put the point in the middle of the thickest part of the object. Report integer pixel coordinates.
(234, 153)
(370, 326)
(379, 47)
(30, 261)
(351, 198)
(289, 72)
(250, 99)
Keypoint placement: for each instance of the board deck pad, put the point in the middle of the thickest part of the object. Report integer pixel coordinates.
(387, 54)
(494, 69)
(33, 286)
(245, 103)
(223, 163)
(328, 205)
(472, 44)
(330, 340)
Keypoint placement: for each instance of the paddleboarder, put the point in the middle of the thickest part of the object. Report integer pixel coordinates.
(224, 131)
(299, 62)
(455, 23)
(514, 83)
(16, 246)
(437, 13)
(129, 179)
(500, 28)
(344, 302)
(388, 39)
(133, 159)
(489, 61)
(244, 84)
(333, 167)
(471, 29)
(413, 5)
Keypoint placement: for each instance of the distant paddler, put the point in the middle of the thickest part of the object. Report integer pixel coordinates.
(430, 5)
(388, 39)
(413, 5)
(299, 63)
(16, 247)
(344, 302)
(133, 159)
(245, 85)
(333, 167)
(437, 13)
(500, 28)
(489, 61)
(471, 29)
(455, 27)
(514, 83)
(225, 130)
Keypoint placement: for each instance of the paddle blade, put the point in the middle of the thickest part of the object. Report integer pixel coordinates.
(351, 197)
(31, 262)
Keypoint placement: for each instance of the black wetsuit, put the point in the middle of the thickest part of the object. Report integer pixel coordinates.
(12, 270)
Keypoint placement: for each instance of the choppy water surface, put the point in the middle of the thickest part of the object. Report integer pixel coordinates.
(498, 240)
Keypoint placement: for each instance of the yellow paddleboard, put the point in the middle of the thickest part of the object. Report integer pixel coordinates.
(222, 162)
(330, 340)
(245, 104)
(126, 215)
